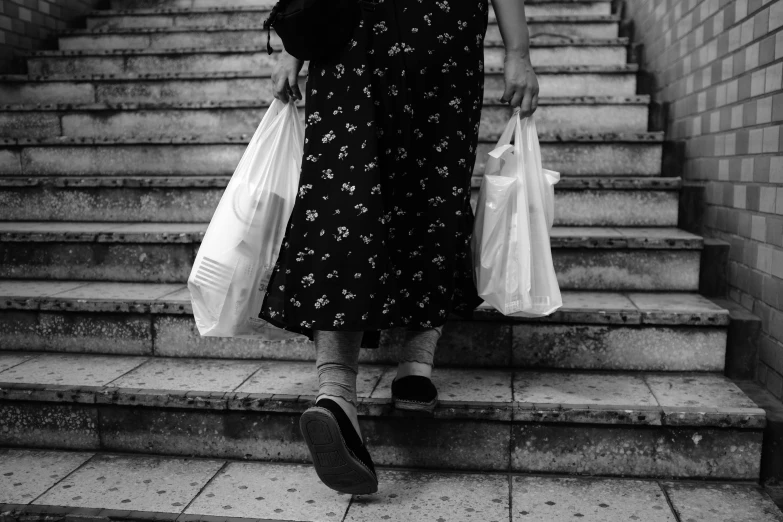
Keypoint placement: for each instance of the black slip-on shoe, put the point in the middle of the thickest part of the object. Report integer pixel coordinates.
(339, 455)
(414, 393)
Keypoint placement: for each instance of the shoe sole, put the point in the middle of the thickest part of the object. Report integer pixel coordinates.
(332, 459)
(416, 406)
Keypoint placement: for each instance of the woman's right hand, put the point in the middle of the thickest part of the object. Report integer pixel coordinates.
(285, 78)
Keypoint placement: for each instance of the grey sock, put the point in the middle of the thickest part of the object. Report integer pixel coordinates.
(420, 345)
(337, 362)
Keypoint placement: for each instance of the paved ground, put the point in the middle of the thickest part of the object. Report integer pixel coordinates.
(185, 489)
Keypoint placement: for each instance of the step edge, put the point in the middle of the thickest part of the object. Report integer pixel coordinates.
(513, 411)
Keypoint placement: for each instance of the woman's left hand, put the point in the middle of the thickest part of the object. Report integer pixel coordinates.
(521, 84)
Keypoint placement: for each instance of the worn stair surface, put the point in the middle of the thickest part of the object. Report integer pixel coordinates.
(110, 486)
(592, 331)
(616, 423)
(585, 258)
(114, 151)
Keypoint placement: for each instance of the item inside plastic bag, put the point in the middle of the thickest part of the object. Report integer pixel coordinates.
(512, 257)
(233, 266)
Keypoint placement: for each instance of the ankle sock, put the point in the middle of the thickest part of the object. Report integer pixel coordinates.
(420, 345)
(337, 363)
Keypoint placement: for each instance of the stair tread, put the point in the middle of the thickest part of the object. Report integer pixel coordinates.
(261, 73)
(489, 99)
(200, 139)
(573, 42)
(576, 19)
(563, 236)
(185, 181)
(645, 398)
(207, 488)
(108, 13)
(626, 308)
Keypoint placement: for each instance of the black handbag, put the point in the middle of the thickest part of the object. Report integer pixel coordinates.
(313, 29)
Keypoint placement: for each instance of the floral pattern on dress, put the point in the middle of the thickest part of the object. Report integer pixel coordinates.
(379, 236)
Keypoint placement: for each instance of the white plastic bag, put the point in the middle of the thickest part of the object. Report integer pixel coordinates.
(234, 263)
(512, 257)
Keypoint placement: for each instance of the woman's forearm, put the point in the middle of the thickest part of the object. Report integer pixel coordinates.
(513, 26)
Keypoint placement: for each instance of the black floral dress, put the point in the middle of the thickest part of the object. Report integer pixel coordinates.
(379, 234)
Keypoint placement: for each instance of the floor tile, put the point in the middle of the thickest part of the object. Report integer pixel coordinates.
(189, 375)
(112, 291)
(36, 288)
(673, 302)
(457, 384)
(72, 369)
(135, 483)
(698, 390)
(581, 388)
(544, 499)
(270, 491)
(713, 502)
(53, 227)
(26, 474)
(657, 233)
(301, 378)
(183, 294)
(597, 300)
(8, 360)
(597, 232)
(405, 496)
(171, 229)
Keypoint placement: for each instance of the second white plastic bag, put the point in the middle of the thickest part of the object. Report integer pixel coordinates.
(512, 257)
(240, 248)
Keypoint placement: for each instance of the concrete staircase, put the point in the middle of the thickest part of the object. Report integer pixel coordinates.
(114, 151)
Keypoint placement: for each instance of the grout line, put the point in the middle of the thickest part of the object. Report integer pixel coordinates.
(669, 501)
(201, 490)
(105, 386)
(510, 497)
(23, 354)
(250, 376)
(348, 508)
(77, 468)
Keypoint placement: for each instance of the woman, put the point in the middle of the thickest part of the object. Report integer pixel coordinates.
(379, 234)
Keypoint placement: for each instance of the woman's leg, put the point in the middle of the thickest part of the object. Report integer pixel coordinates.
(337, 362)
(418, 352)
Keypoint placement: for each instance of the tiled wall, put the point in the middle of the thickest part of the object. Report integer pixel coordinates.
(32, 24)
(716, 67)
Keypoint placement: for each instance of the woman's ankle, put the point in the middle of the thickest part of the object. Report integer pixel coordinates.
(406, 368)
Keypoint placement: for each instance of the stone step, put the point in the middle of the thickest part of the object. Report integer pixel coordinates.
(234, 35)
(610, 51)
(60, 485)
(162, 13)
(237, 490)
(627, 202)
(256, 85)
(581, 114)
(685, 425)
(599, 154)
(585, 258)
(592, 331)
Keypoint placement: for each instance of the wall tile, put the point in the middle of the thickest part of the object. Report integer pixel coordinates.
(719, 66)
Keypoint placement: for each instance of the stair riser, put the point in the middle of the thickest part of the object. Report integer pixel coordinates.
(250, 61)
(463, 343)
(625, 208)
(211, 19)
(584, 159)
(577, 269)
(125, 123)
(256, 37)
(655, 451)
(254, 89)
